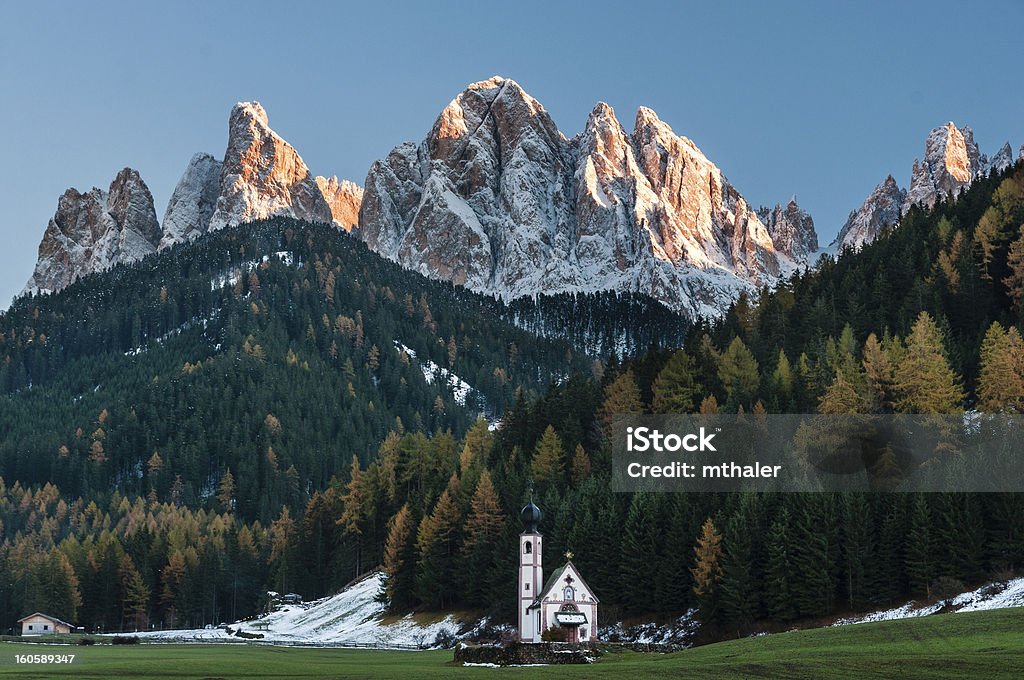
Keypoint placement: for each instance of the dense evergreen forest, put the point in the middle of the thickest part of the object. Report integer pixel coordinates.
(924, 320)
(265, 358)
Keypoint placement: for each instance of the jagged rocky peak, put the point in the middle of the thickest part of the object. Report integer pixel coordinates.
(951, 162)
(93, 231)
(791, 229)
(699, 217)
(194, 199)
(497, 199)
(482, 200)
(263, 175)
(880, 210)
(343, 198)
(1002, 159)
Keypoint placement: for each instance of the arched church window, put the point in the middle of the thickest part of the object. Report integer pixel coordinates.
(568, 593)
(527, 548)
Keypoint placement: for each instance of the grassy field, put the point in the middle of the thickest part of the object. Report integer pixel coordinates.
(975, 645)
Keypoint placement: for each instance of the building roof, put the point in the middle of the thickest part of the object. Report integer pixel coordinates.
(556, 575)
(48, 617)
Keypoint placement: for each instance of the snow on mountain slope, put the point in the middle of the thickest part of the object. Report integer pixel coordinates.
(353, 616)
(496, 199)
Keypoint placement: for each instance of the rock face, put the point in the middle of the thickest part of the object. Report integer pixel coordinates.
(951, 162)
(194, 199)
(263, 175)
(791, 229)
(93, 231)
(882, 209)
(344, 199)
(1002, 160)
(498, 200)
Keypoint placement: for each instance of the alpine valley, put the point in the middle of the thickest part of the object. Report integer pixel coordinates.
(291, 383)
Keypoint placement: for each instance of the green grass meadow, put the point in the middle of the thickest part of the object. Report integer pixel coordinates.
(973, 645)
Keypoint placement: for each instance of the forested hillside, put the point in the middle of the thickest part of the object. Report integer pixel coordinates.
(435, 499)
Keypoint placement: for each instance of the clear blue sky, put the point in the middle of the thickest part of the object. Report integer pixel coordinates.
(817, 99)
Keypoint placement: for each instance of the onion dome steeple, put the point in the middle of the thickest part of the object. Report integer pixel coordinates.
(531, 516)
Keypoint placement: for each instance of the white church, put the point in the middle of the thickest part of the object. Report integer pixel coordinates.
(563, 600)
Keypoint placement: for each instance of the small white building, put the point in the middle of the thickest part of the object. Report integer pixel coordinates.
(42, 624)
(564, 600)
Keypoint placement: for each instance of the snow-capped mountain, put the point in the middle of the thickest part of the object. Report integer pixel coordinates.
(881, 209)
(261, 176)
(498, 200)
(92, 231)
(951, 162)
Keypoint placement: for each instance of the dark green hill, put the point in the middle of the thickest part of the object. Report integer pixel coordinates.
(278, 350)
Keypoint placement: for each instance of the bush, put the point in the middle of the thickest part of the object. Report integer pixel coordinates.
(444, 639)
(124, 640)
(85, 642)
(555, 634)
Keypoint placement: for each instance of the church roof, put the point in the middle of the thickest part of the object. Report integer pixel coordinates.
(555, 577)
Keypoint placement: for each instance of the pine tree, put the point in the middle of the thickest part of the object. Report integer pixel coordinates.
(709, 405)
(920, 557)
(136, 595)
(1014, 282)
(675, 387)
(815, 555)
(842, 397)
(580, 465)
(621, 397)
(707, 570)
(878, 374)
(857, 549)
(1001, 376)
(739, 598)
(779, 585)
(482, 546)
(640, 545)
(399, 589)
(355, 505)
(548, 463)
(226, 492)
(924, 382)
(437, 551)
(738, 373)
(783, 381)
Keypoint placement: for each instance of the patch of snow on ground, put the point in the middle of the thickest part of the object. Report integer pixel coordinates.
(351, 617)
(431, 372)
(234, 275)
(992, 596)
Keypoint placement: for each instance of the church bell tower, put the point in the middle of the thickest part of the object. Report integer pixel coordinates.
(531, 574)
